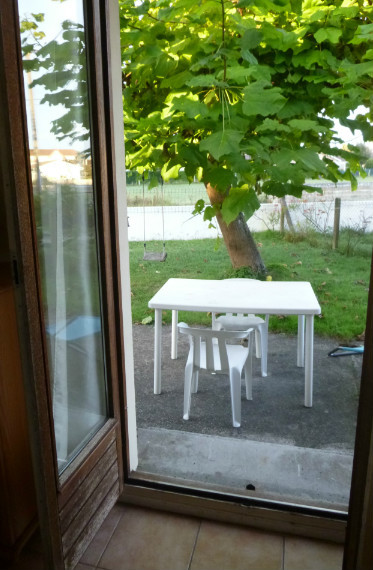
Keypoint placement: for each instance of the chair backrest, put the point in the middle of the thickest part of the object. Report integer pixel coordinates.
(216, 352)
(240, 315)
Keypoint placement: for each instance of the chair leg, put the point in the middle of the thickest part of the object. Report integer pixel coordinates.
(264, 348)
(258, 343)
(235, 385)
(249, 372)
(187, 389)
(195, 382)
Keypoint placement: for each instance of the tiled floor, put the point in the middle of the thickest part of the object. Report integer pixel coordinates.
(135, 538)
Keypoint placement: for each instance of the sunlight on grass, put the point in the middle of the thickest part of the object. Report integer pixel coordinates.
(340, 281)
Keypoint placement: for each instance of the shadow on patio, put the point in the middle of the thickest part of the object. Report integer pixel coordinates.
(286, 451)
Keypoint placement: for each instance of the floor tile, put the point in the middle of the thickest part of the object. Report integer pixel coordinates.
(97, 546)
(308, 554)
(150, 540)
(222, 547)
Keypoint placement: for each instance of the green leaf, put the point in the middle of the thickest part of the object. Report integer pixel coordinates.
(170, 171)
(238, 72)
(185, 103)
(153, 181)
(147, 320)
(198, 207)
(332, 35)
(222, 143)
(209, 213)
(207, 80)
(258, 100)
(176, 81)
(249, 57)
(273, 125)
(307, 125)
(364, 34)
(281, 189)
(219, 178)
(295, 108)
(311, 160)
(239, 200)
(348, 175)
(251, 39)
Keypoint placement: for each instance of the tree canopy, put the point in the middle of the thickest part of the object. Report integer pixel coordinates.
(242, 94)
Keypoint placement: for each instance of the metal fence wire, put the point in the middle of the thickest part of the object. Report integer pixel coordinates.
(313, 211)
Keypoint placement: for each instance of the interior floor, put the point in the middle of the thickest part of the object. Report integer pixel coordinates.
(137, 538)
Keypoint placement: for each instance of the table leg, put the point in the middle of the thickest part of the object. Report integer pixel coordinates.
(157, 350)
(300, 352)
(308, 369)
(174, 332)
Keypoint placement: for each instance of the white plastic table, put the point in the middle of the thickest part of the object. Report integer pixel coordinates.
(239, 296)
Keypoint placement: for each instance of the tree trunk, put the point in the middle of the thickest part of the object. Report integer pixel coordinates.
(238, 239)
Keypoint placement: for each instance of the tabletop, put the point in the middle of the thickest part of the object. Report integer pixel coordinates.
(237, 296)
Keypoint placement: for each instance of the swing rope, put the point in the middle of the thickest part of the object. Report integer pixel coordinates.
(154, 256)
(164, 243)
(143, 207)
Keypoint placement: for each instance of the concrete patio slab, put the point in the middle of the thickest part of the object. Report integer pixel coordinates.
(282, 448)
(273, 471)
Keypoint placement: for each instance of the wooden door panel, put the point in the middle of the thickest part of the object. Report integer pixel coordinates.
(72, 504)
(87, 503)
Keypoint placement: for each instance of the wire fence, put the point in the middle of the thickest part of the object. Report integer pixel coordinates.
(147, 212)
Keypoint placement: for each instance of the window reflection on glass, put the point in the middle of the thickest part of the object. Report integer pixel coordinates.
(55, 76)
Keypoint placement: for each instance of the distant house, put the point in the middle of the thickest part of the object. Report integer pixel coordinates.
(57, 164)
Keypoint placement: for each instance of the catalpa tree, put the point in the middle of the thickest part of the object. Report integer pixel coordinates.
(241, 94)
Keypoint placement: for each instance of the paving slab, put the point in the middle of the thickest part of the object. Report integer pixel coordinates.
(287, 451)
(276, 413)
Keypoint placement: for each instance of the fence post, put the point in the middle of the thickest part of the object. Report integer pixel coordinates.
(337, 217)
(285, 212)
(282, 219)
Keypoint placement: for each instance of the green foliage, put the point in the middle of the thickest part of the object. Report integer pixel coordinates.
(241, 95)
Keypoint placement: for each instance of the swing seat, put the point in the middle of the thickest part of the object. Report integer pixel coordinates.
(154, 256)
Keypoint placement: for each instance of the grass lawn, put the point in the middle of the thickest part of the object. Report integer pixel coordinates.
(339, 279)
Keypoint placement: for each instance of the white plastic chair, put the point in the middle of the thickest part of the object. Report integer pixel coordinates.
(209, 350)
(242, 322)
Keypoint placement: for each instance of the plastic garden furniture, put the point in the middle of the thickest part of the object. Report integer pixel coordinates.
(211, 350)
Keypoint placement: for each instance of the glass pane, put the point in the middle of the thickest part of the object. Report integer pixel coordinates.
(55, 76)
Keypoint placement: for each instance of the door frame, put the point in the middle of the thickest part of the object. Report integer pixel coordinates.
(160, 496)
(87, 480)
(359, 535)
